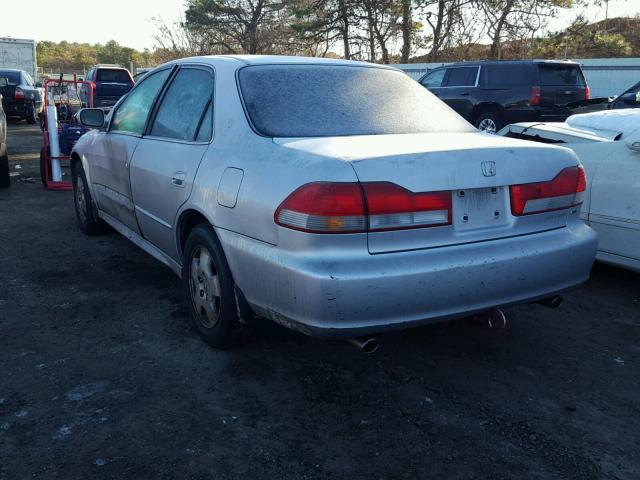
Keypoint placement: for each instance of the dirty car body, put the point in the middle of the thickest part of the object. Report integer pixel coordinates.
(608, 145)
(342, 208)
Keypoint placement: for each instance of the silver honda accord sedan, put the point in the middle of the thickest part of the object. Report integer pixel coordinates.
(336, 198)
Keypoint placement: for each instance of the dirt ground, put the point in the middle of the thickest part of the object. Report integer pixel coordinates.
(102, 376)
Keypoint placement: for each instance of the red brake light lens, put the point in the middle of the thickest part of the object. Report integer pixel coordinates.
(534, 101)
(325, 207)
(392, 207)
(18, 94)
(566, 190)
(587, 92)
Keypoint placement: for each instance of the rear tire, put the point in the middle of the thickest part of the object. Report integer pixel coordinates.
(210, 289)
(5, 179)
(86, 211)
(489, 122)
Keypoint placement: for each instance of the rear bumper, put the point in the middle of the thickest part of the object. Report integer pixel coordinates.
(534, 114)
(14, 108)
(362, 294)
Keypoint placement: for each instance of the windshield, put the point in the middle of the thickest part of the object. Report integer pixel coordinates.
(331, 100)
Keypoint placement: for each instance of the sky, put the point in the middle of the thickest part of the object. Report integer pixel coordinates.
(129, 21)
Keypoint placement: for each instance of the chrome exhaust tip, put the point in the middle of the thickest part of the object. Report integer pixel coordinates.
(366, 345)
(552, 302)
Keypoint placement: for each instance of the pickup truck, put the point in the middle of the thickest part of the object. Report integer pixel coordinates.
(22, 97)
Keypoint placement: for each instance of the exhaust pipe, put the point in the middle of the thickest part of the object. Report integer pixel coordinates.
(552, 302)
(494, 319)
(367, 345)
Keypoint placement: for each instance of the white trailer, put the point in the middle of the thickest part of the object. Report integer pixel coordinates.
(20, 54)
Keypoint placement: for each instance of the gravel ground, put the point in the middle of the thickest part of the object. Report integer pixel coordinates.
(102, 376)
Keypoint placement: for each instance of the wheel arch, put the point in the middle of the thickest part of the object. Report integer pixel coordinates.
(188, 219)
(486, 107)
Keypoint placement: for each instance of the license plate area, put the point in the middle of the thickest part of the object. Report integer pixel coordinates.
(479, 208)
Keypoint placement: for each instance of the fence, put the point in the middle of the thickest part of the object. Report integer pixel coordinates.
(606, 76)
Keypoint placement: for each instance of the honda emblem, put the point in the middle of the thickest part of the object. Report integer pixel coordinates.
(489, 169)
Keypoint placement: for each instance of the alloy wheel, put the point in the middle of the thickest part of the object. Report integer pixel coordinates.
(487, 125)
(204, 287)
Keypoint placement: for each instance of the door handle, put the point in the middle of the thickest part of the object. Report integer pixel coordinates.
(465, 94)
(178, 179)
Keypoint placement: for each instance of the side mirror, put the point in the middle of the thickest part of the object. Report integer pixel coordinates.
(630, 99)
(38, 84)
(91, 117)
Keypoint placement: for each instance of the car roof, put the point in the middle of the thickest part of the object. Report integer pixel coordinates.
(109, 66)
(278, 60)
(14, 70)
(512, 62)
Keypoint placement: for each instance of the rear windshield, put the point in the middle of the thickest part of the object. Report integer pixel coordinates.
(112, 75)
(561, 75)
(331, 100)
(13, 78)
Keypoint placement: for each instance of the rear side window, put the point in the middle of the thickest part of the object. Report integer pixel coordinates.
(462, 77)
(183, 108)
(132, 113)
(113, 75)
(560, 75)
(509, 75)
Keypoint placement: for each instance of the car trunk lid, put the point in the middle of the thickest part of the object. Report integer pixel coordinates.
(477, 169)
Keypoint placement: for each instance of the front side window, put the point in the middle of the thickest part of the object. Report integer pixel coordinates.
(183, 108)
(132, 113)
(434, 79)
(333, 100)
(462, 77)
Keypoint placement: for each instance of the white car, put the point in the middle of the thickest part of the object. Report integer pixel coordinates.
(608, 145)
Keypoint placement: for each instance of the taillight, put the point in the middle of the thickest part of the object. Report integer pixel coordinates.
(325, 207)
(18, 94)
(587, 93)
(566, 190)
(534, 101)
(391, 207)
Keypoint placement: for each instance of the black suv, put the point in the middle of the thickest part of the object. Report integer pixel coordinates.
(110, 82)
(491, 94)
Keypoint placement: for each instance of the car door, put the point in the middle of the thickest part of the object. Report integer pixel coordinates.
(167, 158)
(460, 86)
(111, 155)
(615, 200)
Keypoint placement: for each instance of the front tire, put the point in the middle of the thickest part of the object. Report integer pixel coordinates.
(210, 289)
(5, 178)
(32, 116)
(86, 212)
